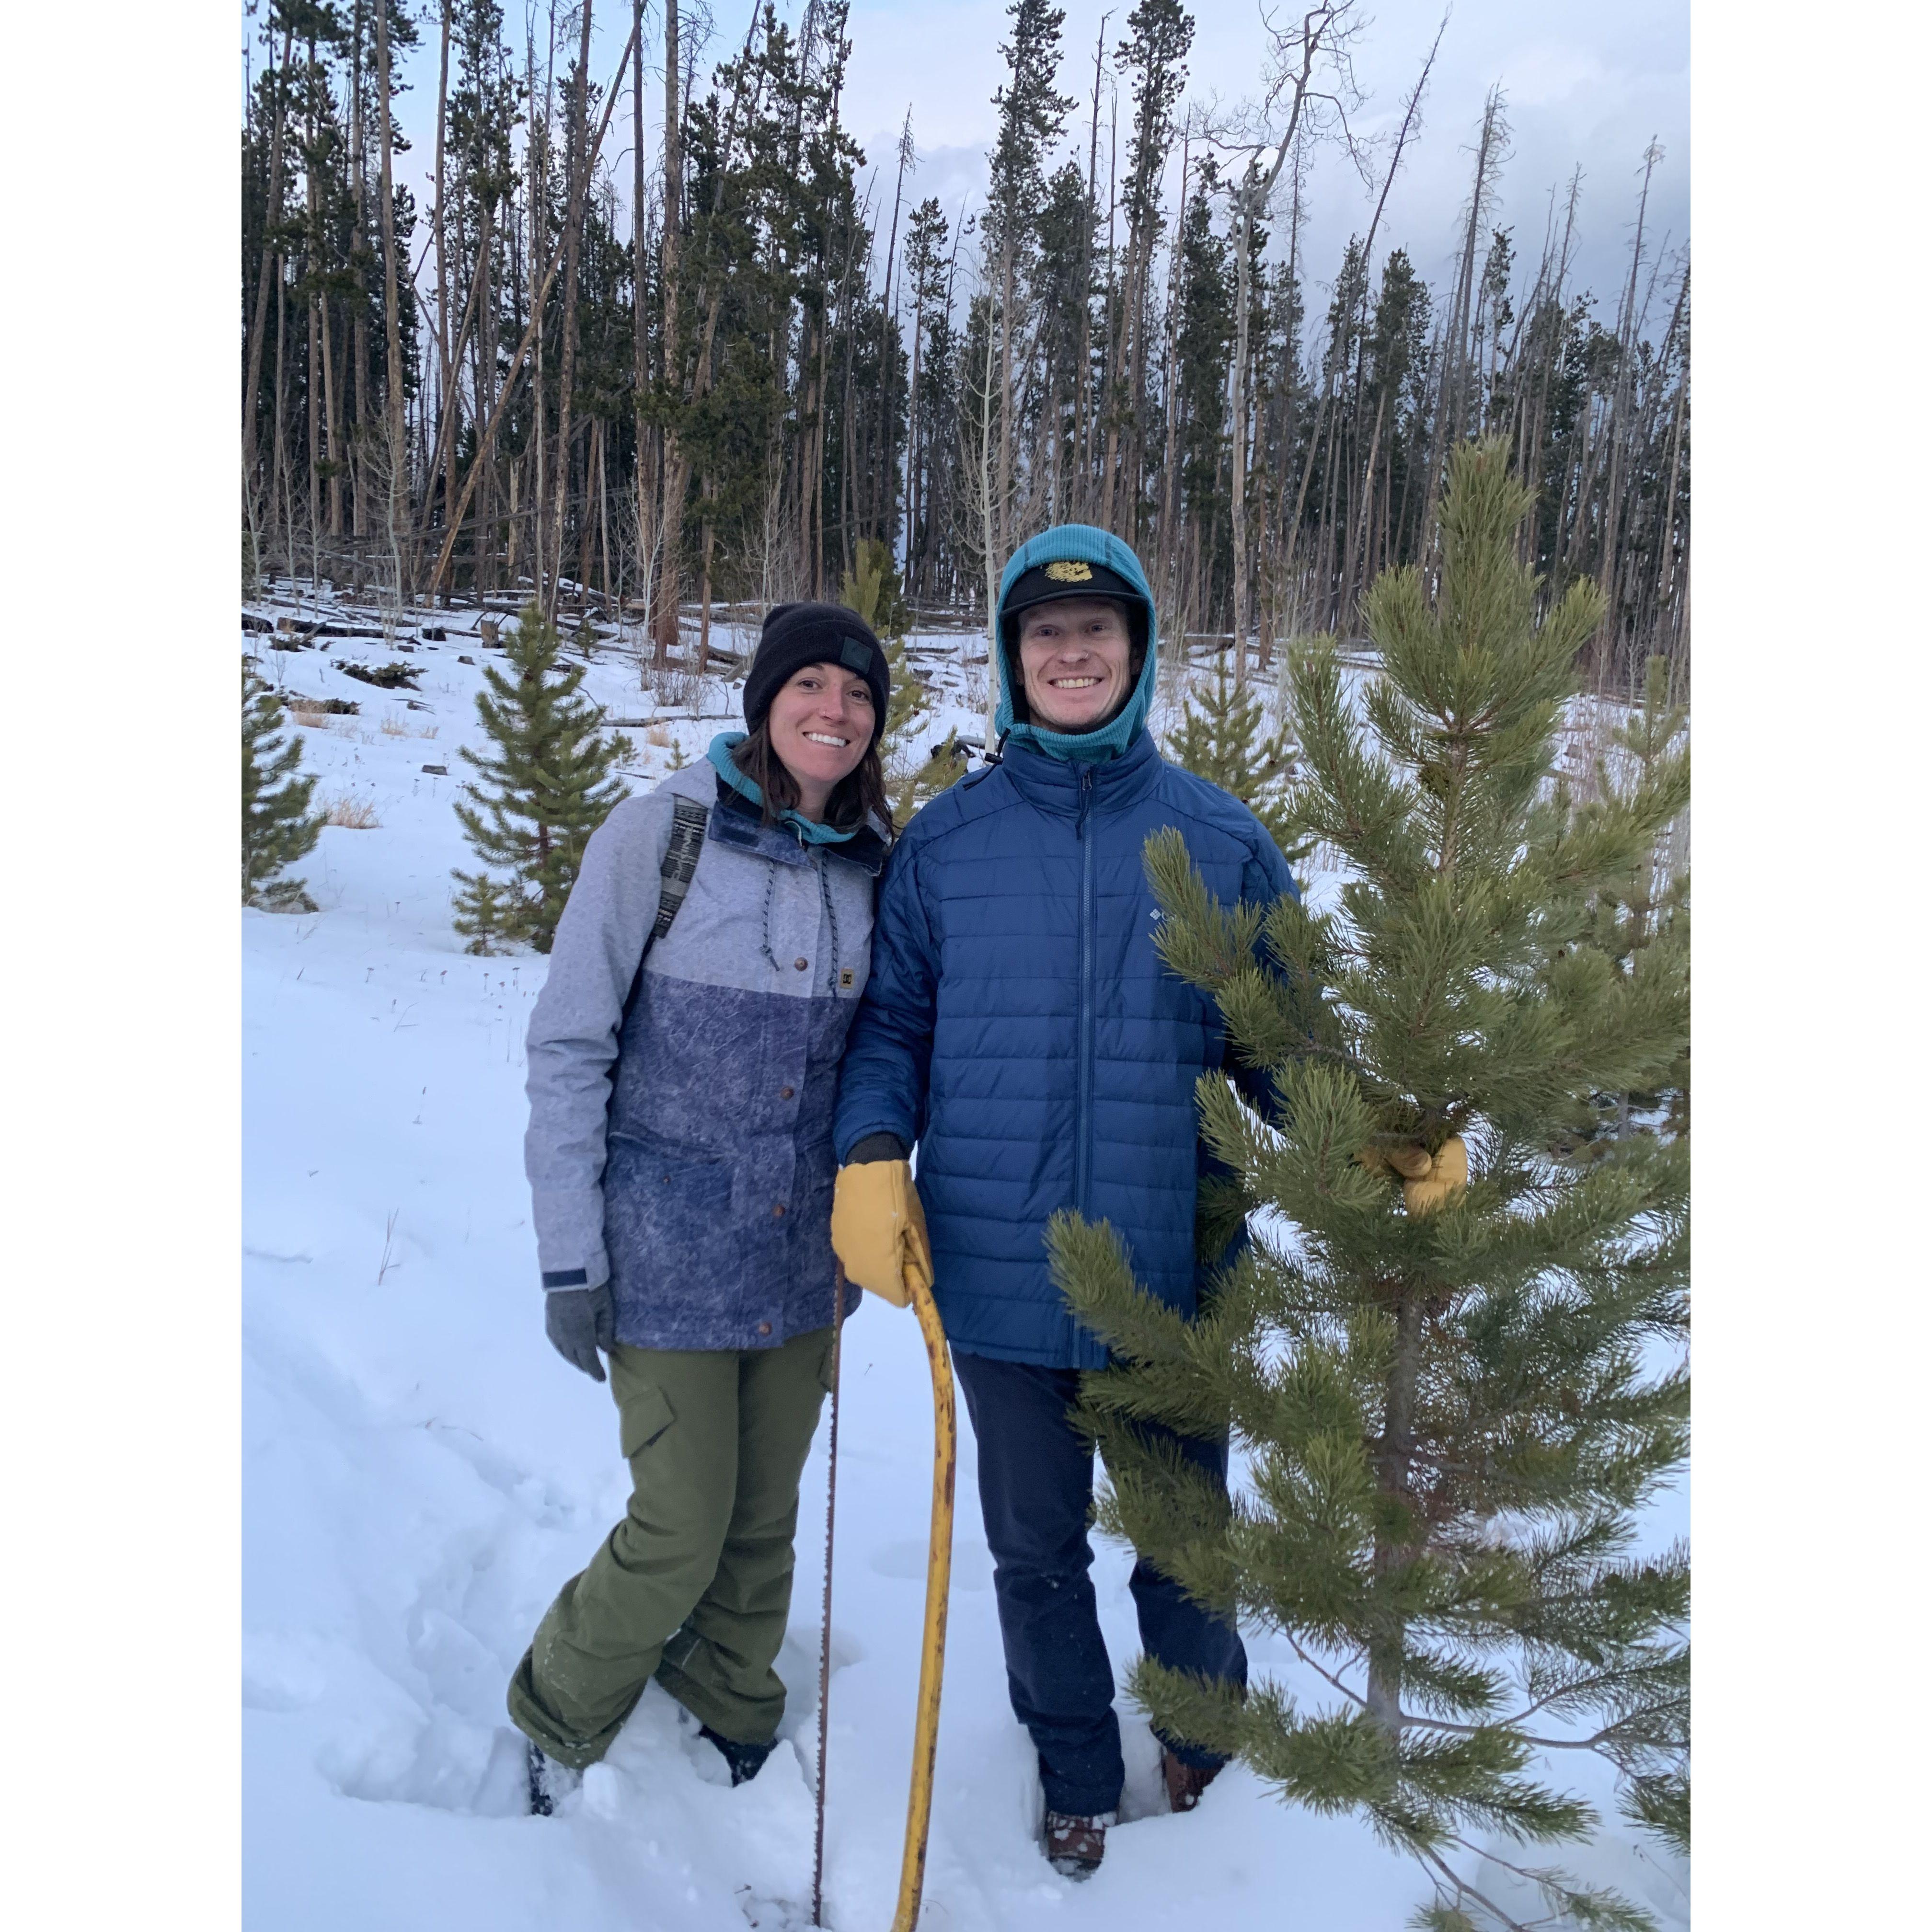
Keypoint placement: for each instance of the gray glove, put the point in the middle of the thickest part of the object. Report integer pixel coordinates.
(579, 1321)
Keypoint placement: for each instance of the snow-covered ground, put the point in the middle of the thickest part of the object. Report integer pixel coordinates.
(421, 1471)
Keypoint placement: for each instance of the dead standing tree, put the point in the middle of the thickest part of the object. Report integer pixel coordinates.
(487, 436)
(1311, 91)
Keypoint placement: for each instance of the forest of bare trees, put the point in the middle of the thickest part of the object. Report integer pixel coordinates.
(709, 373)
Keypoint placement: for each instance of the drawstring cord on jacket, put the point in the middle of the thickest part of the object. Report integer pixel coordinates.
(765, 943)
(831, 917)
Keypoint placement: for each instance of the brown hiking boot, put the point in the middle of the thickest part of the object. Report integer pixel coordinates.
(1074, 1846)
(1185, 1782)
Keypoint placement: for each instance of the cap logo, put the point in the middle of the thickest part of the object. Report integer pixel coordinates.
(855, 656)
(1070, 572)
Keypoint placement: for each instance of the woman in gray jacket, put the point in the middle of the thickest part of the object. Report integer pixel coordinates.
(683, 1058)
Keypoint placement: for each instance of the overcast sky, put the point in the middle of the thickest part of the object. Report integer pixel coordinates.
(1586, 85)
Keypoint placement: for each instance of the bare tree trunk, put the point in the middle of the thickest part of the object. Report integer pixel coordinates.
(603, 515)
(271, 258)
(1083, 415)
(882, 469)
(487, 432)
(442, 454)
(332, 423)
(398, 444)
(645, 481)
(704, 588)
(285, 483)
(358, 318)
(1110, 381)
(1320, 27)
(576, 180)
(538, 197)
(664, 625)
(1003, 499)
(448, 354)
(1168, 561)
(1448, 427)
(1626, 326)
(483, 574)
(314, 270)
(1358, 523)
(1238, 489)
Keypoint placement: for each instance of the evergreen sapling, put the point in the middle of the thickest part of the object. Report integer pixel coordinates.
(1223, 736)
(871, 589)
(277, 828)
(1456, 1384)
(1648, 770)
(545, 787)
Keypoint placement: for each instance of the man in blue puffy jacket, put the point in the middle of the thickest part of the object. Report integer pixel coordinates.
(1020, 1030)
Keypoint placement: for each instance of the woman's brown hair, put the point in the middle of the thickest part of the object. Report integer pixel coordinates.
(859, 797)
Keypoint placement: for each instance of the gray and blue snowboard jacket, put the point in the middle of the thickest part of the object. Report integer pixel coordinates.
(680, 1138)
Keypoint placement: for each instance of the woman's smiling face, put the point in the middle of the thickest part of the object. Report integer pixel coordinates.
(1075, 659)
(820, 725)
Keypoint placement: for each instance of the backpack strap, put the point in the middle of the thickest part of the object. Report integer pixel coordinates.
(687, 824)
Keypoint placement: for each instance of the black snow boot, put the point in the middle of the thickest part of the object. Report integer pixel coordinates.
(1074, 1846)
(549, 1780)
(746, 1760)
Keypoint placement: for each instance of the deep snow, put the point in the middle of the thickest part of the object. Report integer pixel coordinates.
(420, 1472)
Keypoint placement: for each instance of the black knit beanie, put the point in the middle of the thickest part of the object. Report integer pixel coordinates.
(798, 634)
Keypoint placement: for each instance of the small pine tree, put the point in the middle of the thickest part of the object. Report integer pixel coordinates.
(277, 828)
(1223, 737)
(871, 588)
(1649, 772)
(912, 776)
(1444, 1379)
(546, 787)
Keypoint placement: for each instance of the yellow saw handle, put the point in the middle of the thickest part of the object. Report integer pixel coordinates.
(938, 1582)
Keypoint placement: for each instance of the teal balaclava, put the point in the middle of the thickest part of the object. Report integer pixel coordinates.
(1089, 562)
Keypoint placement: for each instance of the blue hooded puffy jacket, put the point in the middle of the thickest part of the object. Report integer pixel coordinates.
(1019, 1027)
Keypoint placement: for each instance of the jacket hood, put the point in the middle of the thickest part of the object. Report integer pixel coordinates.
(1077, 543)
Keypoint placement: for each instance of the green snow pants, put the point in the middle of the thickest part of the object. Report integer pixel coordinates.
(694, 1586)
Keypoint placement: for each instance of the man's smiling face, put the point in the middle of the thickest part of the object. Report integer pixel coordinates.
(1075, 655)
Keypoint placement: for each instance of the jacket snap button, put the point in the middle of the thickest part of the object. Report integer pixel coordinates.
(800, 964)
(778, 1209)
(786, 1092)
(764, 1328)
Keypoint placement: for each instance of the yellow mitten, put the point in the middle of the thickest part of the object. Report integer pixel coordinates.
(1446, 1175)
(878, 1229)
(1411, 1162)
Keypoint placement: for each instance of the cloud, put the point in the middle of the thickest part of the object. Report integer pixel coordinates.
(1586, 86)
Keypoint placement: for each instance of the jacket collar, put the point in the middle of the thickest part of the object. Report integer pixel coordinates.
(736, 820)
(1055, 784)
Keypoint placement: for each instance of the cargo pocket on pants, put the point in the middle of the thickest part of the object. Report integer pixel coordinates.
(642, 1420)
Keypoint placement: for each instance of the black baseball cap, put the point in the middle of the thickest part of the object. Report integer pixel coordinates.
(1049, 582)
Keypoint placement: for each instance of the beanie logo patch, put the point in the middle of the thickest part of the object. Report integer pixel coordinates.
(855, 656)
(1071, 571)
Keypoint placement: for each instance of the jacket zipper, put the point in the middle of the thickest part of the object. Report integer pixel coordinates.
(1083, 1123)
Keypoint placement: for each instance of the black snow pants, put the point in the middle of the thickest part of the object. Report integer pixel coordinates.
(1036, 1489)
